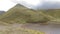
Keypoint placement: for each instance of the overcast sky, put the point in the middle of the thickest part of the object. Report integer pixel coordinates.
(7, 4)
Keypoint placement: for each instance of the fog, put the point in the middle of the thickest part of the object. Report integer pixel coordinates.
(5, 5)
(42, 4)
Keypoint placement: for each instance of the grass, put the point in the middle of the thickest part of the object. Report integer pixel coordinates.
(53, 12)
(21, 14)
(20, 31)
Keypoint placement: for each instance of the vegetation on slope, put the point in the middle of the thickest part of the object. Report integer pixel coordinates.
(21, 14)
(53, 12)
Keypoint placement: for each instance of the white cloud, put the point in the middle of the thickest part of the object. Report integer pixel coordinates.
(6, 5)
(29, 3)
(32, 2)
(53, 0)
(37, 3)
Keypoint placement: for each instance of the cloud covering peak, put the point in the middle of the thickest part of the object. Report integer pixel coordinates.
(40, 4)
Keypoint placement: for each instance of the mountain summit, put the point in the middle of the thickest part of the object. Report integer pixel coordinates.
(21, 14)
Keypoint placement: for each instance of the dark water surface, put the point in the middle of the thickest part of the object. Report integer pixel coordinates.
(48, 29)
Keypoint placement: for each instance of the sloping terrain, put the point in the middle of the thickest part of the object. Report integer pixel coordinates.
(2, 12)
(21, 14)
(53, 12)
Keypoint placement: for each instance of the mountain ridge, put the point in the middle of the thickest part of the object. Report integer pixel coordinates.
(21, 14)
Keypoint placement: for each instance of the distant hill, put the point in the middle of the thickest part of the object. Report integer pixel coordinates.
(53, 12)
(2, 12)
(21, 14)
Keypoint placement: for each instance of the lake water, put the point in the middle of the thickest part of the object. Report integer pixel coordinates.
(48, 29)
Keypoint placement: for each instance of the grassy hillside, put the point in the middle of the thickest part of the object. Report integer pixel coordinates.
(53, 12)
(21, 14)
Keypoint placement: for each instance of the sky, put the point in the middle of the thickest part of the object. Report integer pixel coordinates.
(29, 3)
(5, 5)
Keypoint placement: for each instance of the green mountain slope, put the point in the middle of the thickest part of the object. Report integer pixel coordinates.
(21, 14)
(53, 12)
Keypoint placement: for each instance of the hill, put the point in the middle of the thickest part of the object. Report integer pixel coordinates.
(2, 12)
(53, 12)
(21, 14)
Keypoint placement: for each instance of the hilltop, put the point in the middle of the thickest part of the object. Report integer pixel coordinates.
(21, 14)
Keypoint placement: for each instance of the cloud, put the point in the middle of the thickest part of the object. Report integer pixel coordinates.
(29, 3)
(6, 5)
(51, 4)
(42, 4)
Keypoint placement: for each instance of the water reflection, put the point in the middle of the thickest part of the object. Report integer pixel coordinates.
(48, 29)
